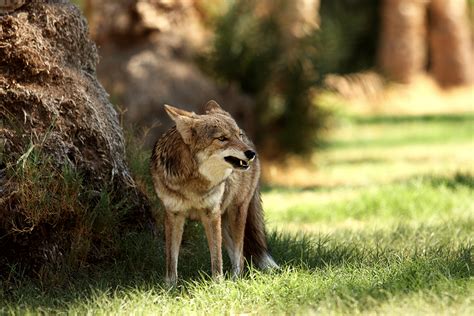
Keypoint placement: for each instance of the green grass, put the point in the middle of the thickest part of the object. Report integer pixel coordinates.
(384, 245)
(389, 131)
(376, 150)
(429, 268)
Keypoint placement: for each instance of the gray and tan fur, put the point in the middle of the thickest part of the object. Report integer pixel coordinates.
(205, 168)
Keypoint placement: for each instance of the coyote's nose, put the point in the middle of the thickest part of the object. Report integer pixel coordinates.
(250, 154)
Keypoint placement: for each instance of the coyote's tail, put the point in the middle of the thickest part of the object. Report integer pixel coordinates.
(255, 241)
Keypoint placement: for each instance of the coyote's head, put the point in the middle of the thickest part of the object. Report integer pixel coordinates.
(214, 138)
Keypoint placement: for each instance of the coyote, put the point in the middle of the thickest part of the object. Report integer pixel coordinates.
(206, 168)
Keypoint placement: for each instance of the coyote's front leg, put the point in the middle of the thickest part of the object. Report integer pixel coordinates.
(174, 223)
(234, 229)
(212, 225)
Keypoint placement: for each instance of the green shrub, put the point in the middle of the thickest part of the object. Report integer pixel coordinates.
(283, 75)
(249, 51)
(348, 37)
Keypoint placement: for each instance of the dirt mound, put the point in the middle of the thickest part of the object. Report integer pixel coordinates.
(58, 131)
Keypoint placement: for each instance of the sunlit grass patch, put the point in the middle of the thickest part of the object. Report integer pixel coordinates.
(426, 199)
(387, 131)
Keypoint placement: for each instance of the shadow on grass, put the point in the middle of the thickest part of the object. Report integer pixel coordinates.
(453, 181)
(356, 161)
(458, 179)
(396, 119)
(430, 274)
(379, 247)
(382, 265)
(407, 264)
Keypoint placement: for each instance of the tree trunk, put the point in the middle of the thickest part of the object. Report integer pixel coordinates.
(403, 48)
(451, 51)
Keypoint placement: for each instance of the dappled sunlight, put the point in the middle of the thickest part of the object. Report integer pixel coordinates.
(354, 167)
(375, 168)
(431, 200)
(423, 96)
(380, 150)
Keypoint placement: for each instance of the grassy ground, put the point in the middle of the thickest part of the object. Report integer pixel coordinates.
(381, 222)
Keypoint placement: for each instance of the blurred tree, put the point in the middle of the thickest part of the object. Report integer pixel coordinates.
(402, 45)
(450, 42)
(265, 47)
(347, 40)
(276, 52)
(408, 26)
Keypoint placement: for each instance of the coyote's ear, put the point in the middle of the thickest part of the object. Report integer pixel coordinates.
(184, 122)
(176, 113)
(212, 106)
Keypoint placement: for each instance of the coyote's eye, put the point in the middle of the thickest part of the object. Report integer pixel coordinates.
(222, 138)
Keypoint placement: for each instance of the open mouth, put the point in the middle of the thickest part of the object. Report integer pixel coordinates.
(237, 163)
